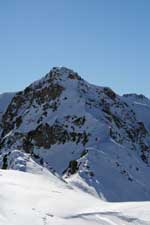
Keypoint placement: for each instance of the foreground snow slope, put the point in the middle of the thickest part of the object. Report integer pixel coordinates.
(43, 199)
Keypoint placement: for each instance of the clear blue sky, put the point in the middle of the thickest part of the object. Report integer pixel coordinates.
(106, 41)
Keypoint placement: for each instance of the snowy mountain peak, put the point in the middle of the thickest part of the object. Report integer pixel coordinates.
(137, 98)
(56, 74)
(76, 129)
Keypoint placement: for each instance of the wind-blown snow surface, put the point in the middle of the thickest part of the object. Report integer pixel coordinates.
(43, 199)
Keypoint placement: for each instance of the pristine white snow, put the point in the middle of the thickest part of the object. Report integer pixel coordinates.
(43, 199)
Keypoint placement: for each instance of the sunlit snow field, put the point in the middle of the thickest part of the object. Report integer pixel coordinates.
(43, 199)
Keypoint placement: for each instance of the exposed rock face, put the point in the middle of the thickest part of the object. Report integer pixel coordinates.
(67, 124)
(46, 136)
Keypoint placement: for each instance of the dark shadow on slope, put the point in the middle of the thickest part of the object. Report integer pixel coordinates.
(118, 215)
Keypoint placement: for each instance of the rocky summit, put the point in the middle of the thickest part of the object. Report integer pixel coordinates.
(85, 134)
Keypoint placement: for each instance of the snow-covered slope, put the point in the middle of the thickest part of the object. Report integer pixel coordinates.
(141, 106)
(38, 199)
(80, 131)
(5, 100)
